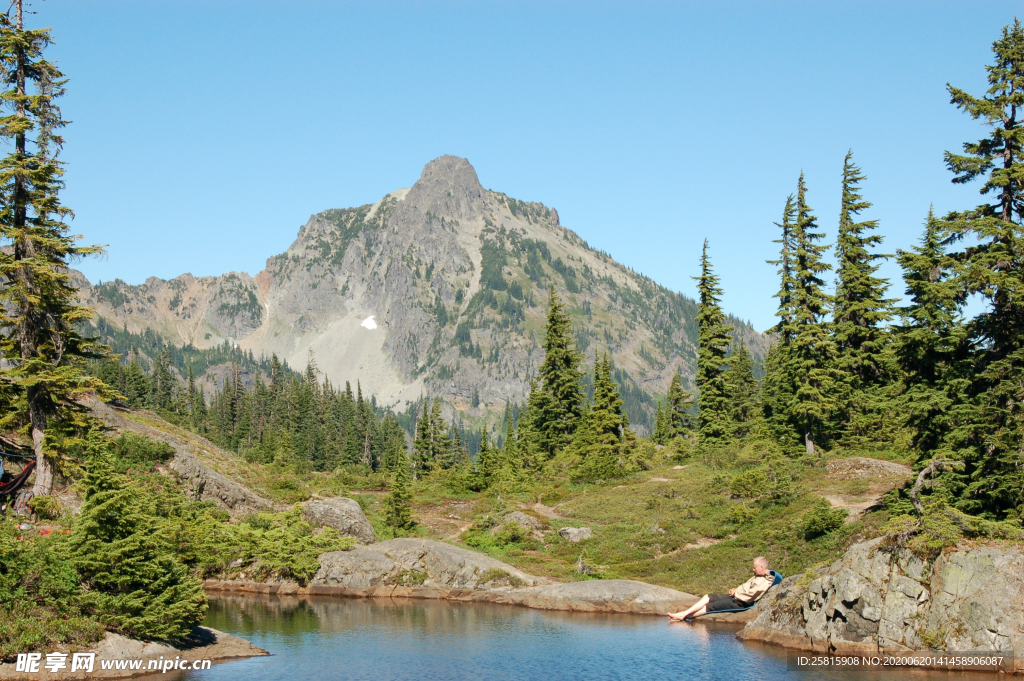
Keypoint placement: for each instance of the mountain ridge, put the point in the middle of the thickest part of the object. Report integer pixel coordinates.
(456, 277)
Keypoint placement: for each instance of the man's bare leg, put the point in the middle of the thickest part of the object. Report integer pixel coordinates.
(695, 610)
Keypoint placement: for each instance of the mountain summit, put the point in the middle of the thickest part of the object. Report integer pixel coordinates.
(440, 289)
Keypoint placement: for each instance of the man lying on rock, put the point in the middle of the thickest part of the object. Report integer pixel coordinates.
(743, 596)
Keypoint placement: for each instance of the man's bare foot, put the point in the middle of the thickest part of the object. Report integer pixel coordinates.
(676, 616)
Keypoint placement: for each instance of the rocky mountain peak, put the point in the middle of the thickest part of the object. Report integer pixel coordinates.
(448, 186)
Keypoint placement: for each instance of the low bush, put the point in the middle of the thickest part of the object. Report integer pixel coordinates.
(822, 519)
(46, 507)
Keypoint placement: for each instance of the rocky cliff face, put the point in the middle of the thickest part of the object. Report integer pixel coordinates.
(456, 279)
(874, 600)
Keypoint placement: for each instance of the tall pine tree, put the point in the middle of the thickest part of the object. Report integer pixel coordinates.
(556, 411)
(992, 266)
(42, 349)
(931, 344)
(715, 337)
(810, 354)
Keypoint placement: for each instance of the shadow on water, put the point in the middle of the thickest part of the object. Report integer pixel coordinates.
(383, 639)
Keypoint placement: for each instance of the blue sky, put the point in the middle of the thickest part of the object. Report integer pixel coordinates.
(205, 133)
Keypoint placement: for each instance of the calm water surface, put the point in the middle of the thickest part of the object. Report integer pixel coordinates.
(381, 639)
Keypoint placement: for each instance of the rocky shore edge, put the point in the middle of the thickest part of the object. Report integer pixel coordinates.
(877, 600)
(203, 644)
(423, 568)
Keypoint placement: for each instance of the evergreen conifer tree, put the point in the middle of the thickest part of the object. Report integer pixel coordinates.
(741, 388)
(860, 308)
(40, 343)
(397, 506)
(809, 357)
(992, 267)
(931, 344)
(557, 410)
(602, 453)
(130, 584)
(715, 337)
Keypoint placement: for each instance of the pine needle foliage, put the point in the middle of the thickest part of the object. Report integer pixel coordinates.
(600, 440)
(397, 506)
(991, 265)
(715, 338)
(131, 585)
(860, 310)
(810, 354)
(557, 409)
(42, 349)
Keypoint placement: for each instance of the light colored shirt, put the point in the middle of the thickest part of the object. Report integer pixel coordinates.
(752, 589)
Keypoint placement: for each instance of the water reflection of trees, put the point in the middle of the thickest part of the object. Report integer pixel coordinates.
(294, 615)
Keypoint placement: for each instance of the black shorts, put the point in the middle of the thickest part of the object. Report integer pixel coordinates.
(720, 602)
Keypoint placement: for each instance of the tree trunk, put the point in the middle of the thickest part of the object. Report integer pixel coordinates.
(808, 442)
(44, 467)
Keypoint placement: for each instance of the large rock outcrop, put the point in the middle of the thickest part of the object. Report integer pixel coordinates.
(431, 564)
(204, 483)
(873, 600)
(422, 568)
(343, 514)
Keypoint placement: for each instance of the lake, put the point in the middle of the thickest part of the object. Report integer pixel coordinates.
(382, 639)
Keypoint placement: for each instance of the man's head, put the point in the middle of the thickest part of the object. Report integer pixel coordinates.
(760, 566)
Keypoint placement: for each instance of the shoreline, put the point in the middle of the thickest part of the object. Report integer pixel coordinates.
(206, 644)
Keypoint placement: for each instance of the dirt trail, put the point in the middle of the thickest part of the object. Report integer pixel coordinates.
(540, 509)
(874, 476)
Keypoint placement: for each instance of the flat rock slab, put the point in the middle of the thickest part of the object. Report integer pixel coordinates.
(605, 595)
(422, 568)
(343, 514)
(860, 468)
(203, 644)
(419, 562)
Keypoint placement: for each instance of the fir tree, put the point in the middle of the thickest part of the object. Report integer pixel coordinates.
(557, 411)
(130, 585)
(860, 308)
(992, 267)
(397, 506)
(673, 417)
(602, 445)
(741, 388)
(787, 284)
(715, 336)
(931, 343)
(809, 356)
(42, 349)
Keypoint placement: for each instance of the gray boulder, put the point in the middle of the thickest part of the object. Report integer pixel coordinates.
(341, 513)
(873, 600)
(420, 562)
(575, 534)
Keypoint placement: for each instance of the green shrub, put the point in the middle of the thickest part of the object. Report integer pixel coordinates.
(133, 586)
(823, 519)
(131, 450)
(742, 514)
(498, 577)
(39, 591)
(46, 507)
(279, 545)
